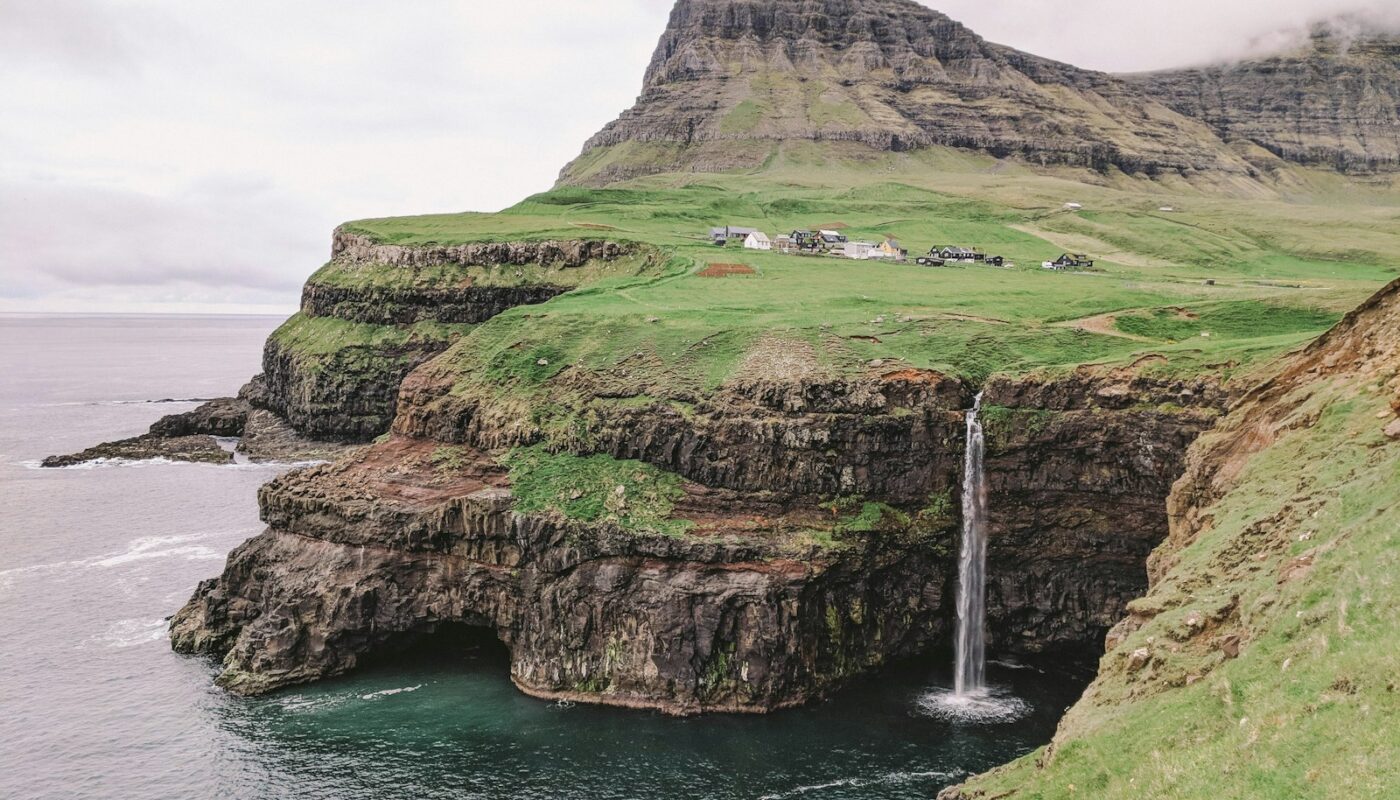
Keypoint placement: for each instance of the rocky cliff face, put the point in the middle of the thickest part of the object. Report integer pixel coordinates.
(348, 247)
(1333, 102)
(404, 304)
(364, 553)
(1077, 470)
(894, 437)
(768, 600)
(732, 78)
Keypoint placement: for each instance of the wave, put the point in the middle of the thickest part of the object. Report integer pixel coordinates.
(144, 549)
(155, 547)
(303, 704)
(390, 692)
(1016, 666)
(888, 779)
(109, 463)
(100, 463)
(273, 465)
(300, 704)
(129, 633)
(95, 403)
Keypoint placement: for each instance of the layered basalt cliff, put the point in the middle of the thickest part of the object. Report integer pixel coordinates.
(1332, 102)
(730, 79)
(893, 437)
(407, 306)
(349, 247)
(387, 545)
(377, 311)
(1078, 468)
(818, 539)
(346, 394)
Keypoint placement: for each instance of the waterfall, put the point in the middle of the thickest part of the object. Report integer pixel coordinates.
(969, 677)
(972, 701)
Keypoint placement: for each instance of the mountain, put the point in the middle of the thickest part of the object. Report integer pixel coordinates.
(732, 81)
(1333, 101)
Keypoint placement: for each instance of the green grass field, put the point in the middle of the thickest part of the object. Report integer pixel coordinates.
(1283, 270)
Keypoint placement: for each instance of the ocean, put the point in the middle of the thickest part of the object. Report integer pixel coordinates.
(93, 703)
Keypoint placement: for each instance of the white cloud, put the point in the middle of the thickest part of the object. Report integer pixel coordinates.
(195, 152)
(1134, 35)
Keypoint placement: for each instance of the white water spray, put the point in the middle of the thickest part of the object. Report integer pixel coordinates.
(969, 677)
(971, 700)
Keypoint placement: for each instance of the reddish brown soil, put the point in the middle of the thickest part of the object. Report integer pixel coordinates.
(725, 270)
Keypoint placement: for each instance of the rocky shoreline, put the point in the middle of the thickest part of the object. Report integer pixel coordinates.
(194, 437)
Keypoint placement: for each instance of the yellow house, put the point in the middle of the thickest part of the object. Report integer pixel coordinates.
(891, 249)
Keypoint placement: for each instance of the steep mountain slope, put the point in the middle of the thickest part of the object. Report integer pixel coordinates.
(1333, 102)
(732, 79)
(1263, 661)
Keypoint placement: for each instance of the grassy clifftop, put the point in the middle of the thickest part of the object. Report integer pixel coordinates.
(1212, 284)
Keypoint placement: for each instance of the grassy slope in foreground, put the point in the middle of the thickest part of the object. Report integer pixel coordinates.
(1268, 664)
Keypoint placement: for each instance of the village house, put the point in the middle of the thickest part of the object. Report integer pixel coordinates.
(758, 240)
(1070, 261)
(833, 238)
(954, 254)
(730, 233)
(809, 241)
(996, 261)
(890, 248)
(784, 244)
(860, 251)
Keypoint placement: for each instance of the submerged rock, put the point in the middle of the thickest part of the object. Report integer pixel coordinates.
(223, 417)
(193, 436)
(200, 449)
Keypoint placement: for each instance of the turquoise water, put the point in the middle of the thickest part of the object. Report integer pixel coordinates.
(93, 704)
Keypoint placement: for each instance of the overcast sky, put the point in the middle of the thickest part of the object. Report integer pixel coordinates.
(195, 155)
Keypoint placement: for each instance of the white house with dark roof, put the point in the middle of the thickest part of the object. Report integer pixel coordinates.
(729, 233)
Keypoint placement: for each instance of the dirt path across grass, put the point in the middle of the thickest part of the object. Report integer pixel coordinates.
(1102, 324)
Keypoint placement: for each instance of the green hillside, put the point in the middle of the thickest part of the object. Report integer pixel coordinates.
(1217, 283)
